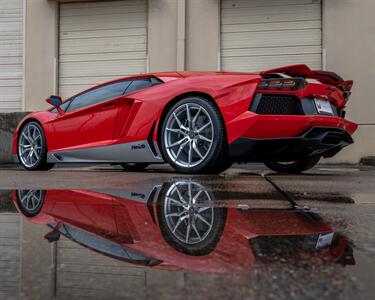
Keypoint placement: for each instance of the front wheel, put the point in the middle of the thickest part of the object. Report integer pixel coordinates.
(32, 147)
(293, 167)
(193, 136)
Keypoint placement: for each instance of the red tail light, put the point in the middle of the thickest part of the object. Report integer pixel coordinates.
(282, 84)
(346, 86)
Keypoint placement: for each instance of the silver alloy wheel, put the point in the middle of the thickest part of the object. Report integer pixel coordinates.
(189, 135)
(30, 145)
(188, 212)
(30, 199)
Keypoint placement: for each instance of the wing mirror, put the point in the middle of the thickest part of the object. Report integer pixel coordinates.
(55, 101)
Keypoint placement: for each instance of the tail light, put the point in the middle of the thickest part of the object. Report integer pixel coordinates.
(346, 87)
(282, 84)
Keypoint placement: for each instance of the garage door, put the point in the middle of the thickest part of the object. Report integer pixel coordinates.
(11, 53)
(100, 41)
(262, 34)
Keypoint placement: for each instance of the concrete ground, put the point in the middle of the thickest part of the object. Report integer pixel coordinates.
(343, 196)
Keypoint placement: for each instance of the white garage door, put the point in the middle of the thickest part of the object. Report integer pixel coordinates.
(100, 41)
(11, 55)
(263, 34)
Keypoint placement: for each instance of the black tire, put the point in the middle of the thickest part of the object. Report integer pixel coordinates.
(222, 166)
(295, 167)
(219, 148)
(41, 164)
(134, 167)
(25, 207)
(204, 247)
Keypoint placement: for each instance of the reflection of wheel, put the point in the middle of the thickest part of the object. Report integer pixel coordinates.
(193, 136)
(30, 202)
(293, 167)
(188, 220)
(32, 147)
(134, 166)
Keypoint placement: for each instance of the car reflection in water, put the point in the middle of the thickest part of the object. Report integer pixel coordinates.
(180, 226)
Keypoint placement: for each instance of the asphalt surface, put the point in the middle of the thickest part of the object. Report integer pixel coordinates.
(341, 197)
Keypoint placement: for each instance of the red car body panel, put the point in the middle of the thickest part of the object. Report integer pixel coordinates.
(131, 118)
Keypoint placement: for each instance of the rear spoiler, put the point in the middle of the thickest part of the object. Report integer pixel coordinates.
(305, 72)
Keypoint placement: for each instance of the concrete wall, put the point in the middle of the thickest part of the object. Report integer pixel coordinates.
(8, 123)
(349, 44)
(202, 35)
(41, 48)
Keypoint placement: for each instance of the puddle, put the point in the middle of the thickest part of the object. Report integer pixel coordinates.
(108, 243)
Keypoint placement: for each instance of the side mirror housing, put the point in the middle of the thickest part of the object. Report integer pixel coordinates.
(54, 101)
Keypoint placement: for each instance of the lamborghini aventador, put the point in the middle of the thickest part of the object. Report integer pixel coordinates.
(198, 122)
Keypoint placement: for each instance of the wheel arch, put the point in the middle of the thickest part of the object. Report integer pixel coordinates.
(22, 124)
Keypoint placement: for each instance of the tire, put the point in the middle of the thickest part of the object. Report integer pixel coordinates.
(194, 142)
(222, 166)
(295, 167)
(209, 235)
(30, 202)
(31, 135)
(134, 167)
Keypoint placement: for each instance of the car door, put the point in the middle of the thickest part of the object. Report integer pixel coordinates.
(89, 118)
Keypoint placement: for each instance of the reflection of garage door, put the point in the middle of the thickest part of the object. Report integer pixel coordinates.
(11, 49)
(9, 253)
(100, 41)
(81, 271)
(261, 34)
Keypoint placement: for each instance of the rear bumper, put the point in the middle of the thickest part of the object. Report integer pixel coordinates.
(317, 141)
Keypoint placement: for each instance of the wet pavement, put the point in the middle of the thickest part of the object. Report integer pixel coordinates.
(101, 233)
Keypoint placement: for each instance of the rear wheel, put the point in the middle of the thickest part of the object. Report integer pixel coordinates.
(193, 136)
(293, 167)
(133, 167)
(32, 147)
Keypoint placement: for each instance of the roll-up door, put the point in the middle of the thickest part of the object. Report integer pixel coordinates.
(11, 55)
(263, 34)
(100, 41)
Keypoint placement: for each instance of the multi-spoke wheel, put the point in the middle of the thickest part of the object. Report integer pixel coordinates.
(30, 202)
(188, 218)
(32, 148)
(193, 136)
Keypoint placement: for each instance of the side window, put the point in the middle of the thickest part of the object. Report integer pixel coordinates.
(100, 94)
(139, 84)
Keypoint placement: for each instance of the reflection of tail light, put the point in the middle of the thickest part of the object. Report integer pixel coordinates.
(282, 84)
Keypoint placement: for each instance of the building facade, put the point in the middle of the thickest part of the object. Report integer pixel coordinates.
(62, 47)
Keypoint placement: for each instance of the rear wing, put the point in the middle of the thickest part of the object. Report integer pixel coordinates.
(305, 72)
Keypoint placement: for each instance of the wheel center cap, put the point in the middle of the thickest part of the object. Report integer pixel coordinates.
(191, 135)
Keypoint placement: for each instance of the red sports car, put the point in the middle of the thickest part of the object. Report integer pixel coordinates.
(198, 122)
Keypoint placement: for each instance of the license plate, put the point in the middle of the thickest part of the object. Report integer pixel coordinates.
(323, 107)
(324, 240)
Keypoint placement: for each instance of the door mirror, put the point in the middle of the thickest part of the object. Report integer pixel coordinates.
(54, 101)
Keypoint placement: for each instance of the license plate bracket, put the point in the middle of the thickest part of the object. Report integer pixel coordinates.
(323, 107)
